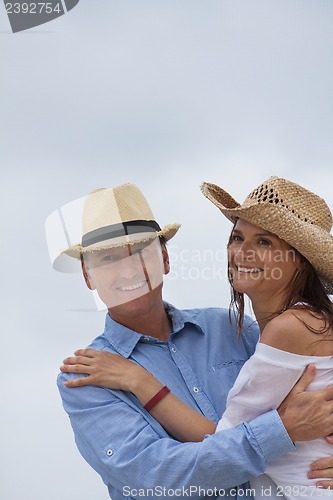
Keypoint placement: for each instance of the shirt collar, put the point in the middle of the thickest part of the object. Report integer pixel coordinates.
(124, 339)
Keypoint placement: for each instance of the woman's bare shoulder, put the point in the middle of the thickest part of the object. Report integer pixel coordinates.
(298, 331)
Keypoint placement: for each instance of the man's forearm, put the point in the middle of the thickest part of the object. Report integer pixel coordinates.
(123, 442)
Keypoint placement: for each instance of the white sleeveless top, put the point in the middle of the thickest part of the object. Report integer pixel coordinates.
(262, 384)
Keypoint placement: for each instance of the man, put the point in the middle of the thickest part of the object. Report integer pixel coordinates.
(195, 353)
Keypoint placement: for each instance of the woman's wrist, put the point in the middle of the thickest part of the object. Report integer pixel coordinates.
(144, 385)
(157, 398)
(141, 378)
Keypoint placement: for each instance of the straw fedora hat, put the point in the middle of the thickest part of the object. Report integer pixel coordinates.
(294, 214)
(114, 217)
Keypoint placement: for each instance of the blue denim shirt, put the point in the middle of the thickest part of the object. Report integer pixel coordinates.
(131, 451)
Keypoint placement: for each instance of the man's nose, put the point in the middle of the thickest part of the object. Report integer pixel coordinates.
(130, 266)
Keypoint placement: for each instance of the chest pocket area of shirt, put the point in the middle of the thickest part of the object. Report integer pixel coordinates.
(232, 363)
(221, 377)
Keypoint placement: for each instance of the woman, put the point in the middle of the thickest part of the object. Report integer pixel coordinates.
(280, 255)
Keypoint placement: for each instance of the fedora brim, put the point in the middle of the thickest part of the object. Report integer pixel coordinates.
(65, 263)
(315, 244)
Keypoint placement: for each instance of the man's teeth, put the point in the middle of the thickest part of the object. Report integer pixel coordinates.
(128, 288)
(249, 270)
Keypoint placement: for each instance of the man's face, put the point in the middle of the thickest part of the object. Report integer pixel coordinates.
(124, 274)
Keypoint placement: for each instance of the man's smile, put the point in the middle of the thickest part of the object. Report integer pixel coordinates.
(134, 286)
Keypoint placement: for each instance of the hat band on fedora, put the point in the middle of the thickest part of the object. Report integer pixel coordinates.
(120, 229)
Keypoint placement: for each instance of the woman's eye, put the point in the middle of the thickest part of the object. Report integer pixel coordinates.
(236, 237)
(264, 242)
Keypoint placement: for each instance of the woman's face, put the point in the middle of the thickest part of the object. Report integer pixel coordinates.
(259, 261)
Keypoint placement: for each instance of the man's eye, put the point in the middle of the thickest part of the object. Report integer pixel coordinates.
(141, 250)
(107, 258)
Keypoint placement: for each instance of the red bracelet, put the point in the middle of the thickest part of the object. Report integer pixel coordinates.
(157, 398)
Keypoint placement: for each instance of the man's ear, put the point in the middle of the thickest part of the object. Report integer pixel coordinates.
(166, 261)
(87, 278)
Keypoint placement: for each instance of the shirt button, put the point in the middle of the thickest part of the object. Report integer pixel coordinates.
(196, 390)
(109, 453)
(173, 349)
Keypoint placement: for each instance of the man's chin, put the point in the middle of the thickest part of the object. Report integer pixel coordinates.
(128, 302)
(134, 303)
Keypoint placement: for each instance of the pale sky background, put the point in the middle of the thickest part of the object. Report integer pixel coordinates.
(165, 94)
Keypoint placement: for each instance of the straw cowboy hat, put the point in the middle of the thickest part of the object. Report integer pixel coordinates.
(294, 214)
(114, 217)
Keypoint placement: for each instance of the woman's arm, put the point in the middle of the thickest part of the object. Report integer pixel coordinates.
(116, 372)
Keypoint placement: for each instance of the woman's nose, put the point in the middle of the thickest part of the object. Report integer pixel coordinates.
(245, 251)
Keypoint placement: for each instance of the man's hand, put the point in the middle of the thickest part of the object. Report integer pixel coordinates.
(307, 415)
(323, 468)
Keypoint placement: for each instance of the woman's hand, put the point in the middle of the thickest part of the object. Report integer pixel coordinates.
(323, 468)
(104, 369)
